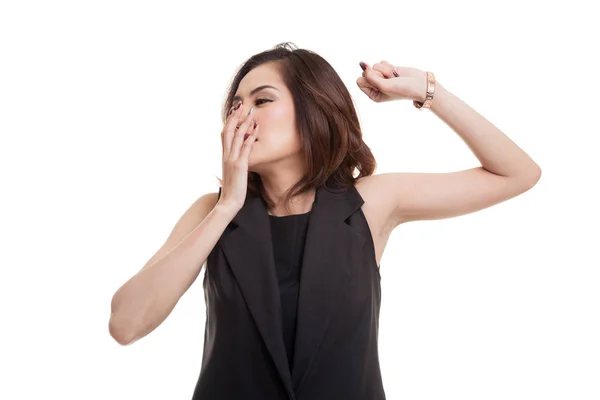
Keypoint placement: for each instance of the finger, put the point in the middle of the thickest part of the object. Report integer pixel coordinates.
(369, 70)
(385, 69)
(376, 80)
(367, 89)
(249, 143)
(366, 68)
(363, 65)
(246, 127)
(245, 122)
(370, 73)
(364, 85)
(229, 129)
(408, 72)
(250, 135)
(392, 67)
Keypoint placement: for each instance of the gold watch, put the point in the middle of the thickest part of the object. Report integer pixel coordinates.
(430, 92)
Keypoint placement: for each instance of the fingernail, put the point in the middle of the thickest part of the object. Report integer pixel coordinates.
(238, 106)
(363, 66)
(255, 125)
(395, 73)
(250, 112)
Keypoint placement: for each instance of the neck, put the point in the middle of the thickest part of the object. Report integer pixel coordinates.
(277, 179)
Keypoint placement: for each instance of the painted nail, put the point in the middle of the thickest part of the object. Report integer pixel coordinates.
(238, 106)
(255, 125)
(395, 73)
(250, 112)
(363, 66)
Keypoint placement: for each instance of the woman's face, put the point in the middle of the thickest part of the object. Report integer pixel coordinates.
(278, 141)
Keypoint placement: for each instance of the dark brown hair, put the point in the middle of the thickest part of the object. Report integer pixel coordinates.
(326, 121)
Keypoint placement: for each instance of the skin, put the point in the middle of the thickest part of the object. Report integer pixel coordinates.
(390, 198)
(143, 302)
(276, 156)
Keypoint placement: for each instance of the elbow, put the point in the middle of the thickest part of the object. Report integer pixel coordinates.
(120, 332)
(118, 327)
(534, 177)
(529, 178)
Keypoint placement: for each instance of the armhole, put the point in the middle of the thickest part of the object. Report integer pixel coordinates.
(369, 235)
(372, 242)
(206, 269)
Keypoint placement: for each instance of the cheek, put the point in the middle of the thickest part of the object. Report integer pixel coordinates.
(276, 117)
(277, 126)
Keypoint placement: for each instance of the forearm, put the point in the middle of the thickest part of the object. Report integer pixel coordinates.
(496, 152)
(145, 301)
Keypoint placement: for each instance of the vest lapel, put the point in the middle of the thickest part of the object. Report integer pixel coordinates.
(331, 247)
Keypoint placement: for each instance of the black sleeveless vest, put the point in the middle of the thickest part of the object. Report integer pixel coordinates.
(336, 343)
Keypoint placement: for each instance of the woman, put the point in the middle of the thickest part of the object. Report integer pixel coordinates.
(292, 240)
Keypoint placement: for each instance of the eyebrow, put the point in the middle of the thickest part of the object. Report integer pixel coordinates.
(258, 89)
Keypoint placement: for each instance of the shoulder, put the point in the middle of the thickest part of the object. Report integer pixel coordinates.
(368, 185)
(187, 222)
(374, 190)
(196, 212)
(379, 205)
(205, 203)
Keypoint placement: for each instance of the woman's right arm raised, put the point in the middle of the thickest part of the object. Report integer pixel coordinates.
(145, 300)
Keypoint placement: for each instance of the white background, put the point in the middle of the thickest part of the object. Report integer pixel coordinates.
(109, 123)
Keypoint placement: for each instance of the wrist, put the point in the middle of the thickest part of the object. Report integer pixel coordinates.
(419, 89)
(227, 209)
(439, 97)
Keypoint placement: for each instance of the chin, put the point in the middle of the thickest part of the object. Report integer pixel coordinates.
(253, 160)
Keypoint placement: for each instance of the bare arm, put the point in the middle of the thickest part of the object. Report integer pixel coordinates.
(505, 172)
(145, 301)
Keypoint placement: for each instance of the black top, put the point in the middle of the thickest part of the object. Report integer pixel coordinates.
(288, 235)
(337, 316)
